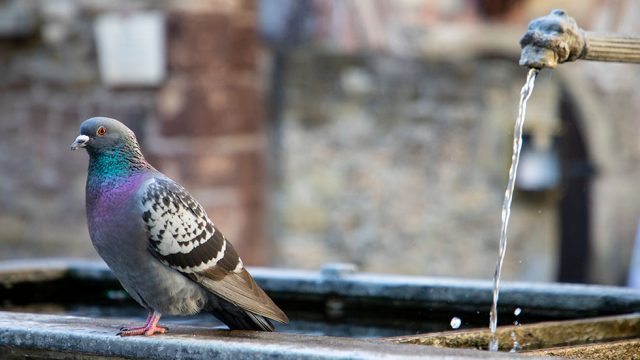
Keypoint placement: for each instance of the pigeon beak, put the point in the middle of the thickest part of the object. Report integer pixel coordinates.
(80, 142)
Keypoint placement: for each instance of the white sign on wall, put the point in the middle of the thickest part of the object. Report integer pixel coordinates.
(131, 48)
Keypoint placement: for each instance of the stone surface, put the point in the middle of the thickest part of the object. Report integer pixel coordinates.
(48, 336)
(95, 337)
(572, 335)
(18, 20)
(626, 349)
(433, 293)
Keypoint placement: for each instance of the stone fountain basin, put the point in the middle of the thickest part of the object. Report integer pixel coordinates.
(51, 307)
(610, 337)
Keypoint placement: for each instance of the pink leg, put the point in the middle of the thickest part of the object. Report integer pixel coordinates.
(150, 327)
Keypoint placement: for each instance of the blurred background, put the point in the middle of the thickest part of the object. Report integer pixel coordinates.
(375, 132)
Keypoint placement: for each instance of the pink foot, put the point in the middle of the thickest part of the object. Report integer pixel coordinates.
(144, 330)
(150, 327)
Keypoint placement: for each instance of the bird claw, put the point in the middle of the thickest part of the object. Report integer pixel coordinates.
(150, 327)
(143, 330)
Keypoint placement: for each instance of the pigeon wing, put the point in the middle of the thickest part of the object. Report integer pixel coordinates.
(181, 236)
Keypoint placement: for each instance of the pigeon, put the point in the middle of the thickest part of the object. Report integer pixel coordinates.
(158, 240)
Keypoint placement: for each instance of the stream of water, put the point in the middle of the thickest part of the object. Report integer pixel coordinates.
(525, 93)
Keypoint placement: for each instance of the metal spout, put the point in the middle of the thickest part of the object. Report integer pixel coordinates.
(556, 38)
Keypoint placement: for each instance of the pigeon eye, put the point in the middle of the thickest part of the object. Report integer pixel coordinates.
(101, 131)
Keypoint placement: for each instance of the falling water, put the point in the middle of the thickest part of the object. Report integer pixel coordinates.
(525, 93)
(514, 336)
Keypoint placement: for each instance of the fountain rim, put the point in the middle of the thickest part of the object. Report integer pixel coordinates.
(427, 291)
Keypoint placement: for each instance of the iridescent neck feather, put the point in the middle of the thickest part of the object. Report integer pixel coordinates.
(115, 165)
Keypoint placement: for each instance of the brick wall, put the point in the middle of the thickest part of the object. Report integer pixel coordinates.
(202, 126)
(210, 133)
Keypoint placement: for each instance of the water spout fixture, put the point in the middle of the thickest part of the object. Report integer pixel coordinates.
(556, 38)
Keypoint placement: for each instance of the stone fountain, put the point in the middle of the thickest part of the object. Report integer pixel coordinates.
(57, 309)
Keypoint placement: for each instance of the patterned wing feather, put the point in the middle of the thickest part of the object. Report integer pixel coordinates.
(183, 237)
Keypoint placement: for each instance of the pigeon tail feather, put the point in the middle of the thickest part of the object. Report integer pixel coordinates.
(239, 319)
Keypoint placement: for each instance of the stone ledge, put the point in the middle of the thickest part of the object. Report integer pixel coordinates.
(425, 292)
(89, 338)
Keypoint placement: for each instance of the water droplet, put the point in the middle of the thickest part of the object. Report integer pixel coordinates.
(455, 322)
(517, 311)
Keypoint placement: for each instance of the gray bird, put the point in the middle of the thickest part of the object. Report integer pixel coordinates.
(159, 242)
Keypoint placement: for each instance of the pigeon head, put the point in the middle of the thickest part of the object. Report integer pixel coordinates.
(101, 134)
(113, 149)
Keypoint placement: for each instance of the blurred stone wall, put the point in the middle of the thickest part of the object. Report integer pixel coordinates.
(396, 138)
(399, 165)
(203, 125)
